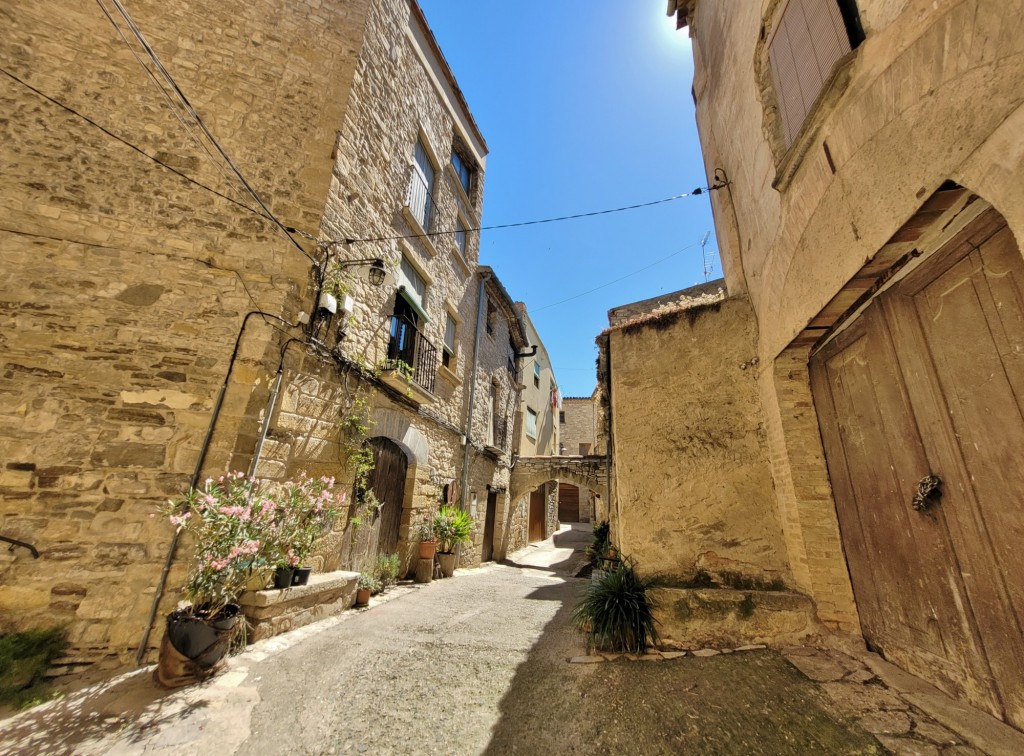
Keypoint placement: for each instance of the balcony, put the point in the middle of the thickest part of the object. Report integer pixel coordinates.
(411, 364)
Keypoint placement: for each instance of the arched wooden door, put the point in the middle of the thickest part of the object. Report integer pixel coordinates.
(388, 484)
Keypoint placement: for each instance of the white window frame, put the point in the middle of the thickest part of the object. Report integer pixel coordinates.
(531, 415)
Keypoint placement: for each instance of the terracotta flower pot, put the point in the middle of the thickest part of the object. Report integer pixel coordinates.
(428, 549)
(362, 596)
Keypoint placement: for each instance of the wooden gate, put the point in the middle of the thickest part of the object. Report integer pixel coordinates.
(568, 503)
(929, 380)
(388, 484)
(537, 507)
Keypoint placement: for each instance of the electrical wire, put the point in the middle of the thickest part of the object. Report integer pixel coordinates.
(126, 143)
(621, 278)
(698, 191)
(176, 89)
(175, 108)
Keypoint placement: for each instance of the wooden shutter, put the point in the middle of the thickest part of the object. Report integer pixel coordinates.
(809, 40)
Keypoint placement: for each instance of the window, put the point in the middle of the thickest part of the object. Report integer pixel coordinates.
(412, 286)
(421, 187)
(511, 357)
(492, 416)
(536, 375)
(531, 423)
(810, 37)
(492, 317)
(460, 236)
(463, 170)
(561, 416)
(448, 351)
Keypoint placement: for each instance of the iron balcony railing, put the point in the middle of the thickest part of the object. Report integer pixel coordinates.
(410, 353)
(419, 201)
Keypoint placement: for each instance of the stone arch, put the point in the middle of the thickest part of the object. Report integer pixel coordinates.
(396, 426)
(531, 472)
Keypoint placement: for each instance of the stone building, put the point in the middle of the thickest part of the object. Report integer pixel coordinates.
(867, 158)
(539, 429)
(163, 326)
(578, 420)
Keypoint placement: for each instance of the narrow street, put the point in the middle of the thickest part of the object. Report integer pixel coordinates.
(476, 664)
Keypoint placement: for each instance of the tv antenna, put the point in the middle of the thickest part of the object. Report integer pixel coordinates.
(709, 261)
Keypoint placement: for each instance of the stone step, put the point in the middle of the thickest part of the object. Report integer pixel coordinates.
(275, 611)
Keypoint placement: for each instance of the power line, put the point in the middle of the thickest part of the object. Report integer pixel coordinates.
(699, 190)
(176, 89)
(175, 108)
(128, 144)
(621, 278)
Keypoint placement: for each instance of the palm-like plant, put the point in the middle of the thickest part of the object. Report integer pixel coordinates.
(452, 526)
(618, 612)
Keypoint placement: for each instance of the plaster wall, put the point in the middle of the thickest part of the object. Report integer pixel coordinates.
(692, 483)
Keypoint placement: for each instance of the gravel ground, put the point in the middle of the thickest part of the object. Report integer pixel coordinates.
(473, 665)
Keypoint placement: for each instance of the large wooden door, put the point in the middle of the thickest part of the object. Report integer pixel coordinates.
(537, 508)
(388, 484)
(568, 503)
(930, 380)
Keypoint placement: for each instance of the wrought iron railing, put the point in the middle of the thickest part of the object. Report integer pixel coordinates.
(419, 201)
(411, 353)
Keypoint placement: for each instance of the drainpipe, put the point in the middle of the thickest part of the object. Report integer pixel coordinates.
(169, 560)
(271, 406)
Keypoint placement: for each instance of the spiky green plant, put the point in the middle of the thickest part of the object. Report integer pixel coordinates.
(386, 570)
(618, 612)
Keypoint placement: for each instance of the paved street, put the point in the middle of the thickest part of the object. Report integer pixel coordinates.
(476, 664)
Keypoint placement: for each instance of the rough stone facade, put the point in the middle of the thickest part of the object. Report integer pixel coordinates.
(128, 285)
(578, 422)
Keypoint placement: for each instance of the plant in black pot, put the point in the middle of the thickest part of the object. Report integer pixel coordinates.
(312, 508)
(238, 528)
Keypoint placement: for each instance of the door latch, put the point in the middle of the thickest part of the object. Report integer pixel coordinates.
(929, 491)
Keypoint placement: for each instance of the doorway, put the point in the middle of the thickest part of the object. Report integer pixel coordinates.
(387, 481)
(536, 531)
(487, 548)
(568, 503)
(929, 381)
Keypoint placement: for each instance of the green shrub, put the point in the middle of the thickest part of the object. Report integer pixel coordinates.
(386, 570)
(602, 541)
(24, 658)
(452, 526)
(617, 612)
(369, 582)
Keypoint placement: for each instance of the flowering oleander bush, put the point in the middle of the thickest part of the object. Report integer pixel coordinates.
(242, 527)
(423, 526)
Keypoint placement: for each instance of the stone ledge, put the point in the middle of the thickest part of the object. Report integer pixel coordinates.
(273, 612)
(721, 617)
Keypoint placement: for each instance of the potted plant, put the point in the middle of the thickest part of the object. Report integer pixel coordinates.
(451, 527)
(311, 508)
(386, 571)
(239, 528)
(617, 610)
(367, 586)
(424, 531)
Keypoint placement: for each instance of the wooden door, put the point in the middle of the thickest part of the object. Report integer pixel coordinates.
(388, 484)
(929, 380)
(568, 503)
(537, 516)
(487, 549)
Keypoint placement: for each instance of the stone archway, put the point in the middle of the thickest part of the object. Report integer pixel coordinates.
(584, 472)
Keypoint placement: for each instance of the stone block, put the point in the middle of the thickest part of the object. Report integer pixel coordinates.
(272, 612)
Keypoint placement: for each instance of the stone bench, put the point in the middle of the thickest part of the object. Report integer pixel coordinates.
(272, 612)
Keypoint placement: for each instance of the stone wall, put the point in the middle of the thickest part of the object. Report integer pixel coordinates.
(579, 430)
(126, 282)
(692, 482)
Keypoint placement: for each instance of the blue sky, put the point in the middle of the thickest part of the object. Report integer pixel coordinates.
(585, 105)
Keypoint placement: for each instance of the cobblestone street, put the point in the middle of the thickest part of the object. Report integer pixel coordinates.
(480, 664)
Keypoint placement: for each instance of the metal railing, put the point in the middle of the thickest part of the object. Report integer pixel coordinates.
(418, 200)
(410, 352)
